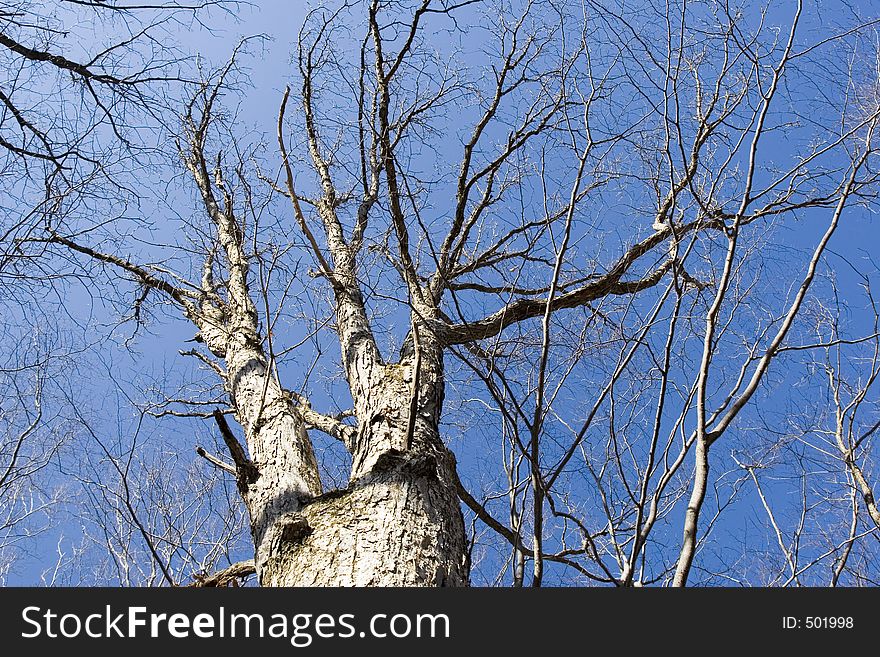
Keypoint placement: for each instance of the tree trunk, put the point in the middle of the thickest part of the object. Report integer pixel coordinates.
(397, 523)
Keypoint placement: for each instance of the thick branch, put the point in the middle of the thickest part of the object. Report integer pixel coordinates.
(183, 297)
(523, 309)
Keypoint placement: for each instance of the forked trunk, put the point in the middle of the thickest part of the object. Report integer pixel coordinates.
(397, 523)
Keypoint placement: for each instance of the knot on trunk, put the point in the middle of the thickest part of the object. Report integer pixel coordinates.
(293, 528)
(389, 460)
(419, 465)
(247, 473)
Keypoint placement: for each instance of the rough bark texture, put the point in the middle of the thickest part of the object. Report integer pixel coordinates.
(284, 468)
(400, 525)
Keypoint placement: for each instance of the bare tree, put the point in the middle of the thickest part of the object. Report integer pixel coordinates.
(548, 227)
(30, 438)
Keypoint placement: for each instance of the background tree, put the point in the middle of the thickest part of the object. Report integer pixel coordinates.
(560, 249)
